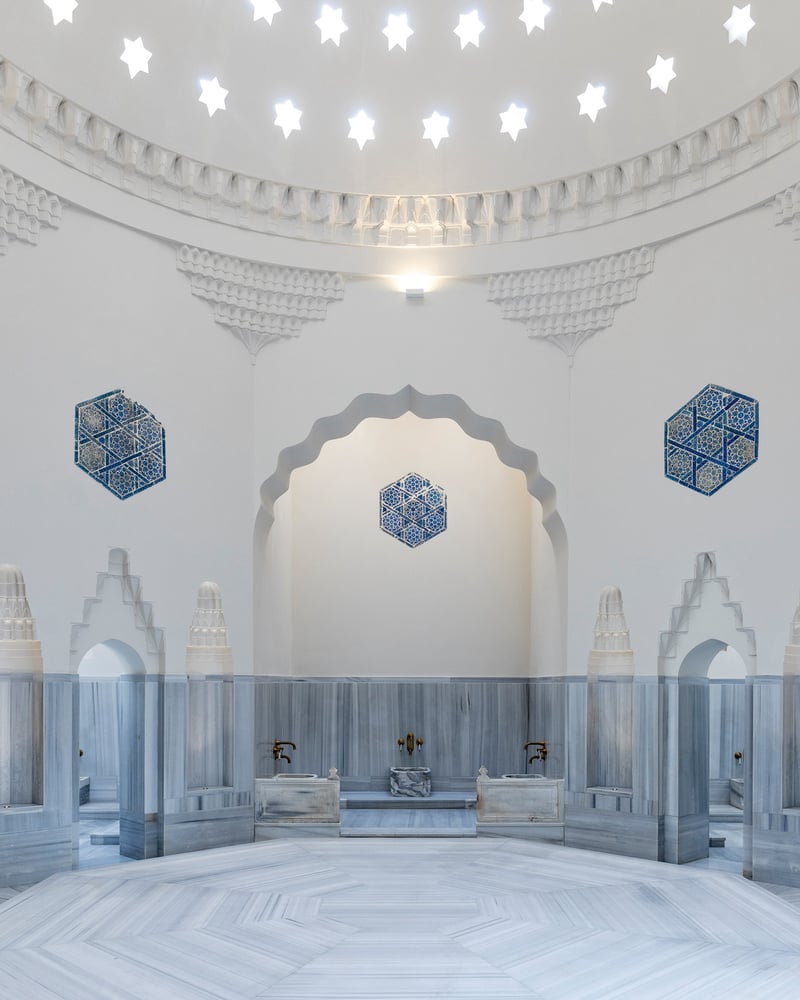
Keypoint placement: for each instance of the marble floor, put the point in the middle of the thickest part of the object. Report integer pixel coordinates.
(386, 919)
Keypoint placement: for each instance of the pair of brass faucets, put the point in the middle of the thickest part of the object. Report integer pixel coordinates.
(410, 742)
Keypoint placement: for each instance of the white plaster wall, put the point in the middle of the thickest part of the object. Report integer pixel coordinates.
(719, 307)
(94, 307)
(363, 603)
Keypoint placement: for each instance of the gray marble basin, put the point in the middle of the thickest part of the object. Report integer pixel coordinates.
(410, 782)
(295, 775)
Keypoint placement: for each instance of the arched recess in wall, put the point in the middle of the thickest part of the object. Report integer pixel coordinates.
(703, 627)
(390, 407)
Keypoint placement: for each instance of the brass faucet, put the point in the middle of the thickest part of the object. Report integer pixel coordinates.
(541, 753)
(409, 743)
(277, 750)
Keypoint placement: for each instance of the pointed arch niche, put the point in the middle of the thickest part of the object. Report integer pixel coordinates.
(117, 644)
(704, 629)
(336, 596)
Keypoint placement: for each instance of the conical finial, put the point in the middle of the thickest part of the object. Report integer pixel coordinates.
(208, 622)
(16, 621)
(611, 651)
(794, 638)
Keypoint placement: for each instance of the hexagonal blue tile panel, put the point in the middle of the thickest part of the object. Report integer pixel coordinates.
(119, 443)
(711, 439)
(413, 510)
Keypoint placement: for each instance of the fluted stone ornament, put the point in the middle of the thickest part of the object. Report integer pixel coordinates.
(20, 650)
(611, 651)
(791, 658)
(208, 652)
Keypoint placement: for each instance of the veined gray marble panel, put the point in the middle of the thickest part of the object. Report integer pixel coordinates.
(20, 740)
(209, 708)
(99, 735)
(140, 768)
(647, 729)
(577, 709)
(199, 831)
(354, 725)
(614, 832)
(726, 713)
(791, 741)
(609, 735)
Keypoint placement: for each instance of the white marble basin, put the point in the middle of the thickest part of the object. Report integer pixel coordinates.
(538, 777)
(295, 775)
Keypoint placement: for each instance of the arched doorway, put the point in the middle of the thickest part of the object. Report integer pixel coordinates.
(110, 746)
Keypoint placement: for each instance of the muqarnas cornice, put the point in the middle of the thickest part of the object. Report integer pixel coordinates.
(25, 210)
(567, 305)
(725, 148)
(259, 303)
(119, 443)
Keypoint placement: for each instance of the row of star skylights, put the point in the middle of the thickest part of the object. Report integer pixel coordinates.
(397, 32)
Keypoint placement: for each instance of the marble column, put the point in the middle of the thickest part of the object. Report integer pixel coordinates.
(208, 747)
(38, 747)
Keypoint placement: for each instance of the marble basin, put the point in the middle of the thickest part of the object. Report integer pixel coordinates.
(295, 775)
(520, 798)
(410, 782)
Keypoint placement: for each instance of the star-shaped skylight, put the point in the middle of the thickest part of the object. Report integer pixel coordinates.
(661, 74)
(739, 24)
(212, 95)
(287, 118)
(61, 9)
(513, 121)
(330, 24)
(469, 29)
(591, 101)
(362, 128)
(599, 3)
(136, 56)
(533, 14)
(397, 31)
(436, 128)
(266, 9)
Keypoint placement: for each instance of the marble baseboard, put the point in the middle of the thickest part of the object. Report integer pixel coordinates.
(685, 838)
(614, 833)
(138, 837)
(30, 856)
(202, 831)
(544, 833)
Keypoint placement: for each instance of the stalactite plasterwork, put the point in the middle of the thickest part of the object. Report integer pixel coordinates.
(25, 210)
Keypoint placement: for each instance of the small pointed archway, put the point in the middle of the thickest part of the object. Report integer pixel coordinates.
(705, 623)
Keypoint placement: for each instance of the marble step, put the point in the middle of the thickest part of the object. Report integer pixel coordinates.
(379, 831)
(383, 800)
(100, 810)
(110, 835)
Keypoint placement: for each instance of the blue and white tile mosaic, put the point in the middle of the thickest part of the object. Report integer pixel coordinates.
(711, 439)
(413, 510)
(119, 443)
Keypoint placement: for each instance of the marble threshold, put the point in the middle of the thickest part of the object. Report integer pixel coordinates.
(390, 919)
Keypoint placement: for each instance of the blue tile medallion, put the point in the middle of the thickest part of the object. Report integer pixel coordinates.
(413, 510)
(711, 439)
(119, 443)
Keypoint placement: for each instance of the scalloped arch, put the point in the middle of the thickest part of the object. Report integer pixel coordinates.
(427, 407)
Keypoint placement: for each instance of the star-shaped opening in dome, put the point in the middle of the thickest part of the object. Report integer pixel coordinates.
(136, 56)
(469, 29)
(397, 31)
(661, 74)
(212, 95)
(362, 128)
(436, 128)
(513, 121)
(592, 100)
(331, 25)
(287, 118)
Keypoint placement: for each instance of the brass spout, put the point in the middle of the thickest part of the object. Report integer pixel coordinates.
(541, 753)
(410, 743)
(277, 749)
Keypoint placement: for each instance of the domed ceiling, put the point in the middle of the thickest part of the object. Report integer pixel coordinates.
(544, 70)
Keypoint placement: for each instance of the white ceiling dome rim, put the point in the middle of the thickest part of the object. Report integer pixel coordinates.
(708, 157)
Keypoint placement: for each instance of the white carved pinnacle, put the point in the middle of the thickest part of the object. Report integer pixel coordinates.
(611, 651)
(259, 303)
(208, 652)
(567, 305)
(791, 657)
(703, 159)
(24, 210)
(20, 650)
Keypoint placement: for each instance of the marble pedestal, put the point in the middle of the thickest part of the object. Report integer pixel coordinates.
(410, 782)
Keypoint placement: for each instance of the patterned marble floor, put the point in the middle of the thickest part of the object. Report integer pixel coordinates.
(390, 919)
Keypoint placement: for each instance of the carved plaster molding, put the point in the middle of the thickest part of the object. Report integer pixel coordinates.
(24, 210)
(259, 303)
(787, 209)
(567, 305)
(725, 148)
(705, 609)
(118, 603)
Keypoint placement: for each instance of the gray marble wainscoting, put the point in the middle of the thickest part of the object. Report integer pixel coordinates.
(614, 817)
(353, 724)
(774, 812)
(685, 774)
(99, 736)
(140, 744)
(208, 763)
(726, 736)
(20, 739)
(39, 838)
